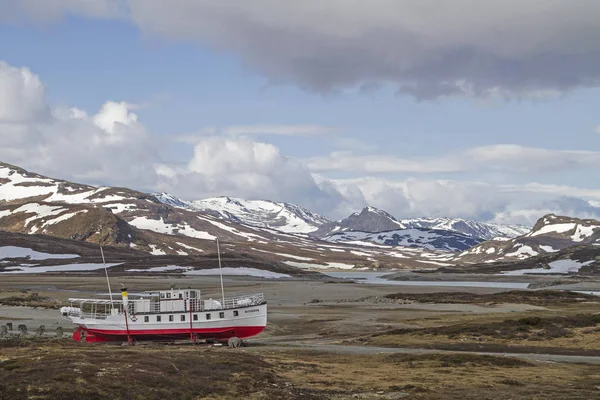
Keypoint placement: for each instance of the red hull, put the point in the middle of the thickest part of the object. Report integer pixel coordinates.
(95, 336)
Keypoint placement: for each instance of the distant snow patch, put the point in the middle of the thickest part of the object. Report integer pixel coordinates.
(170, 229)
(160, 269)
(523, 252)
(189, 247)
(548, 249)
(360, 253)
(239, 271)
(556, 267)
(553, 228)
(251, 237)
(436, 263)
(18, 252)
(156, 251)
(293, 256)
(583, 232)
(58, 268)
(319, 266)
(63, 217)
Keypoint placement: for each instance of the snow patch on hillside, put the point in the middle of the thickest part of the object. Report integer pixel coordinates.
(161, 227)
(553, 228)
(21, 252)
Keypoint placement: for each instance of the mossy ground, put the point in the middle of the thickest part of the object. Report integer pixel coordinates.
(62, 369)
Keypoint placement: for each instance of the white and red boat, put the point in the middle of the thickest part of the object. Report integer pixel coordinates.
(167, 315)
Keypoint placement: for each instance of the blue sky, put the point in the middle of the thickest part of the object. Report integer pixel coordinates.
(311, 123)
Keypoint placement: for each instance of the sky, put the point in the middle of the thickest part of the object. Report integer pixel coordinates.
(479, 110)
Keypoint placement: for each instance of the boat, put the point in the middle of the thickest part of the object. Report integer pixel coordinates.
(166, 315)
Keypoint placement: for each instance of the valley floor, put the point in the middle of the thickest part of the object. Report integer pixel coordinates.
(323, 341)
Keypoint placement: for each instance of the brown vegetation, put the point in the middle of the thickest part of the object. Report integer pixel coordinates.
(59, 369)
(537, 298)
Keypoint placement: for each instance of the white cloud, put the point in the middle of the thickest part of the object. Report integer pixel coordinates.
(113, 147)
(241, 131)
(245, 168)
(522, 204)
(49, 10)
(21, 95)
(496, 158)
(108, 146)
(350, 162)
(283, 130)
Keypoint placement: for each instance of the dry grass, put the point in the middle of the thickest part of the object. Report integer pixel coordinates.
(31, 299)
(69, 370)
(558, 334)
(437, 376)
(46, 369)
(537, 298)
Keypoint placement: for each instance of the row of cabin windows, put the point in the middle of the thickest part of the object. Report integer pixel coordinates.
(182, 317)
(192, 295)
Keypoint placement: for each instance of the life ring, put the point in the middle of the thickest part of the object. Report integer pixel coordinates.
(133, 318)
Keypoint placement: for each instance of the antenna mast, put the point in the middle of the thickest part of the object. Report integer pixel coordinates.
(221, 273)
(107, 281)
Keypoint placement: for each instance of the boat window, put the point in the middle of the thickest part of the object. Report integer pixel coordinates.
(158, 318)
(235, 313)
(221, 314)
(146, 318)
(171, 318)
(193, 294)
(168, 295)
(195, 317)
(162, 295)
(181, 295)
(183, 317)
(208, 316)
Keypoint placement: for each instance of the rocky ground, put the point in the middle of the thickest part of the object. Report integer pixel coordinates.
(324, 341)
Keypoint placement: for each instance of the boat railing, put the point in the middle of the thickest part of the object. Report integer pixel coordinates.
(101, 309)
(244, 301)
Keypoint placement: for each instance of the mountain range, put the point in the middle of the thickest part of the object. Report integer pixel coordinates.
(280, 233)
(429, 233)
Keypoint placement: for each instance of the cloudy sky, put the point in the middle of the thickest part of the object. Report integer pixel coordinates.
(479, 109)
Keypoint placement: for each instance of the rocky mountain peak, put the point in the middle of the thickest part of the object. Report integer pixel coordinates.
(370, 219)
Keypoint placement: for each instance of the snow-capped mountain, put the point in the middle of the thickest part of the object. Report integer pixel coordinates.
(475, 229)
(34, 204)
(430, 239)
(130, 220)
(370, 219)
(284, 217)
(447, 234)
(550, 234)
(164, 225)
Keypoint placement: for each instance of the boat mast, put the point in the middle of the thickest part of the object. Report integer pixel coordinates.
(221, 274)
(107, 281)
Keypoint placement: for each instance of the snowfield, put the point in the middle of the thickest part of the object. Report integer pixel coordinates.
(319, 266)
(19, 252)
(239, 271)
(166, 268)
(160, 226)
(556, 267)
(26, 269)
